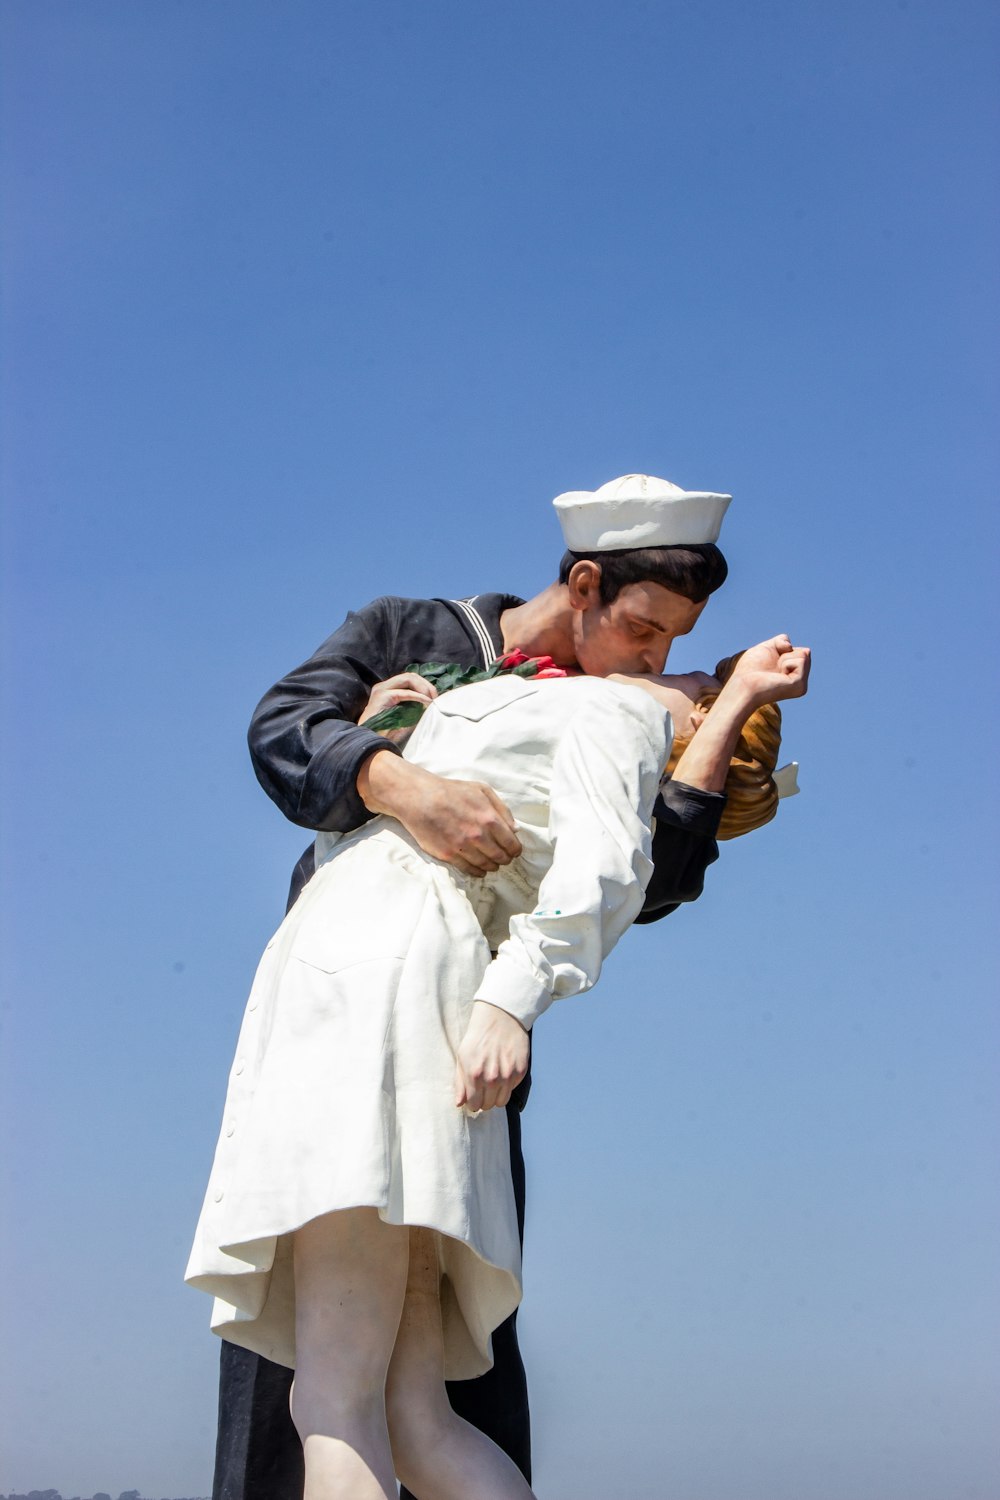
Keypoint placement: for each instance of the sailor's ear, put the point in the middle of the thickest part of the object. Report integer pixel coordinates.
(584, 584)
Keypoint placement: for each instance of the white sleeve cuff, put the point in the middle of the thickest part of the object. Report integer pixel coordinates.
(514, 989)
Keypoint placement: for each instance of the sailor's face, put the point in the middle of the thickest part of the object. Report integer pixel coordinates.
(635, 632)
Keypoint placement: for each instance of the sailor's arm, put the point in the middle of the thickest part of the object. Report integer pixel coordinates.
(305, 742)
(462, 822)
(327, 772)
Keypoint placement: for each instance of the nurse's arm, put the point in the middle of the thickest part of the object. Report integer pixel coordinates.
(604, 779)
(771, 672)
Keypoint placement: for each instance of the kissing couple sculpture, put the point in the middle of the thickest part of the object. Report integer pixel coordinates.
(363, 1218)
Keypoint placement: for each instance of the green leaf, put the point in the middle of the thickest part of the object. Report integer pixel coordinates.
(451, 677)
(400, 716)
(431, 670)
(445, 676)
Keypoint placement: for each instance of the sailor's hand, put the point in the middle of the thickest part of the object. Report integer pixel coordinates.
(773, 671)
(492, 1058)
(462, 822)
(405, 687)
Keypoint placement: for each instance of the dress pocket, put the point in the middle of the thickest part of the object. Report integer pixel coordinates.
(367, 910)
(482, 698)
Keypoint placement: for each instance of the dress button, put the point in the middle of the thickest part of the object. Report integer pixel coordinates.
(252, 1005)
(218, 1196)
(230, 1128)
(239, 1067)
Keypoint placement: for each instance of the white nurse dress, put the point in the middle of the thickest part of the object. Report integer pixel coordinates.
(341, 1091)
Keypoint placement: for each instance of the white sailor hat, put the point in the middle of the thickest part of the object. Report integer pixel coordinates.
(638, 510)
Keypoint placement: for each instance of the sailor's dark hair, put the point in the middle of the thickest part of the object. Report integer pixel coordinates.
(694, 572)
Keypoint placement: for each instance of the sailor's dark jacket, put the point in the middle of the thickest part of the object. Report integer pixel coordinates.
(307, 747)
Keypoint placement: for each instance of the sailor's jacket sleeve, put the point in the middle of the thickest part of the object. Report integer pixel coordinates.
(605, 776)
(305, 745)
(686, 820)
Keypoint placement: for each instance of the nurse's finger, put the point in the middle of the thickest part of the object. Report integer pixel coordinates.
(461, 1088)
(400, 695)
(474, 1089)
(503, 1095)
(490, 1096)
(467, 1094)
(379, 702)
(407, 681)
(422, 685)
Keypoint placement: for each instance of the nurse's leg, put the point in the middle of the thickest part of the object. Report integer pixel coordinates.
(436, 1452)
(497, 1402)
(350, 1279)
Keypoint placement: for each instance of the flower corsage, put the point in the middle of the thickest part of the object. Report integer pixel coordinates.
(448, 675)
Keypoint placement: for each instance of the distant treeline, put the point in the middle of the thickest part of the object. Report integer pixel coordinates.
(55, 1495)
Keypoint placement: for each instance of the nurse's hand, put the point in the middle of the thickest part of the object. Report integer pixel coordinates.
(492, 1058)
(771, 672)
(405, 687)
(462, 822)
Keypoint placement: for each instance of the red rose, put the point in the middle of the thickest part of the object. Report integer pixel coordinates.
(547, 667)
(515, 658)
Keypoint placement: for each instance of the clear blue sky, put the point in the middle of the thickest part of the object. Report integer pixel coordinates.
(307, 302)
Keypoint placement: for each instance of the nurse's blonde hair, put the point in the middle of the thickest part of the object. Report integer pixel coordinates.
(751, 795)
